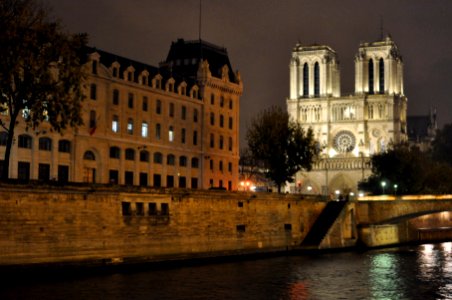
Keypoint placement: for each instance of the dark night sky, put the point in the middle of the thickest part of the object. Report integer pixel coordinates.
(260, 34)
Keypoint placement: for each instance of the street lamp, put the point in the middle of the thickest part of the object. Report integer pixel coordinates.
(383, 185)
(337, 192)
(395, 189)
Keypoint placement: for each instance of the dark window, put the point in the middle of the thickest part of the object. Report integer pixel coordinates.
(229, 185)
(152, 209)
(23, 169)
(194, 183)
(128, 176)
(94, 65)
(182, 182)
(3, 138)
(144, 156)
(288, 227)
(241, 228)
(126, 208)
(130, 100)
(230, 167)
(157, 131)
(371, 76)
(240, 204)
(45, 144)
(183, 161)
(114, 176)
(212, 140)
(220, 165)
(171, 110)
(64, 146)
(211, 165)
(170, 160)
(212, 119)
(145, 103)
(93, 91)
(221, 142)
(230, 144)
(212, 99)
(164, 207)
(305, 80)
(195, 115)
(182, 135)
(139, 209)
(230, 123)
(129, 76)
(158, 107)
(115, 97)
(157, 180)
(316, 80)
(195, 163)
(184, 113)
(195, 138)
(382, 76)
(169, 181)
(44, 172)
(115, 72)
(130, 154)
(115, 152)
(92, 119)
(89, 155)
(221, 101)
(230, 103)
(143, 179)
(25, 141)
(158, 158)
(221, 121)
(63, 174)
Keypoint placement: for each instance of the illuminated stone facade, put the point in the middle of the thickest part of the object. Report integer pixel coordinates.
(176, 125)
(349, 129)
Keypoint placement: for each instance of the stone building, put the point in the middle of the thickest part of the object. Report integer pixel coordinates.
(175, 125)
(350, 128)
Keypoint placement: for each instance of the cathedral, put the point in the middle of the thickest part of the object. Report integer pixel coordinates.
(349, 128)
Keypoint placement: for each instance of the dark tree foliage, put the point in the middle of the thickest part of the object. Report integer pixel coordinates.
(442, 145)
(40, 70)
(281, 144)
(412, 170)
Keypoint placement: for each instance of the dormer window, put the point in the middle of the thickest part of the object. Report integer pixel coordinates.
(115, 72)
(157, 81)
(94, 67)
(194, 92)
(128, 74)
(115, 69)
(183, 89)
(170, 85)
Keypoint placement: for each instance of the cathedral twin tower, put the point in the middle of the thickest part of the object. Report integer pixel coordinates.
(348, 128)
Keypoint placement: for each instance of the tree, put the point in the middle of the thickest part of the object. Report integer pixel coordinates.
(41, 71)
(412, 170)
(281, 144)
(442, 145)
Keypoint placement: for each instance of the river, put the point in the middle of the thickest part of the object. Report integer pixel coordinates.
(414, 272)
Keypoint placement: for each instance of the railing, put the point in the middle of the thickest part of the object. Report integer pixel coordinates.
(343, 163)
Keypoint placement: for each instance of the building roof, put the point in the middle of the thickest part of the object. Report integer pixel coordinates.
(184, 57)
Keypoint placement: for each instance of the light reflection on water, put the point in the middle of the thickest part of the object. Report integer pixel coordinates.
(423, 272)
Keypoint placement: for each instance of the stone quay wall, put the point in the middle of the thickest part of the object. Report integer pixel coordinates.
(108, 225)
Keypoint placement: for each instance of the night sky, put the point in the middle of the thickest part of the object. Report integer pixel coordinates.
(260, 34)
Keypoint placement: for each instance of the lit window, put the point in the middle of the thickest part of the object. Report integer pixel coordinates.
(130, 126)
(171, 134)
(115, 124)
(144, 129)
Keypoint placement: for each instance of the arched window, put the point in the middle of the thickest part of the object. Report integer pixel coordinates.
(170, 160)
(183, 161)
(115, 152)
(195, 163)
(382, 76)
(305, 80)
(3, 138)
(144, 156)
(130, 154)
(316, 80)
(89, 155)
(371, 76)
(158, 158)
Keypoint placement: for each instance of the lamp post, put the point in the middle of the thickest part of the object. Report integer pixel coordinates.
(395, 189)
(383, 185)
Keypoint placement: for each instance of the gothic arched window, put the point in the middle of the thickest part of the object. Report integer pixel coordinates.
(316, 80)
(382, 76)
(305, 80)
(371, 76)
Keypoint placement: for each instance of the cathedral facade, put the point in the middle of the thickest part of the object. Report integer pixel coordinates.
(349, 128)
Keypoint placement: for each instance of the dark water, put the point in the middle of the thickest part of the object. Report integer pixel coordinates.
(419, 272)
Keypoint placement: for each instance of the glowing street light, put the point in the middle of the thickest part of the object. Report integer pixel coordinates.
(395, 189)
(383, 185)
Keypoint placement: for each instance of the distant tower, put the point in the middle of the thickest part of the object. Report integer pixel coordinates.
(314, 72)
(379, 68)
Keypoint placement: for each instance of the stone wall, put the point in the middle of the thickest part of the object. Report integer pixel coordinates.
(113, 225)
